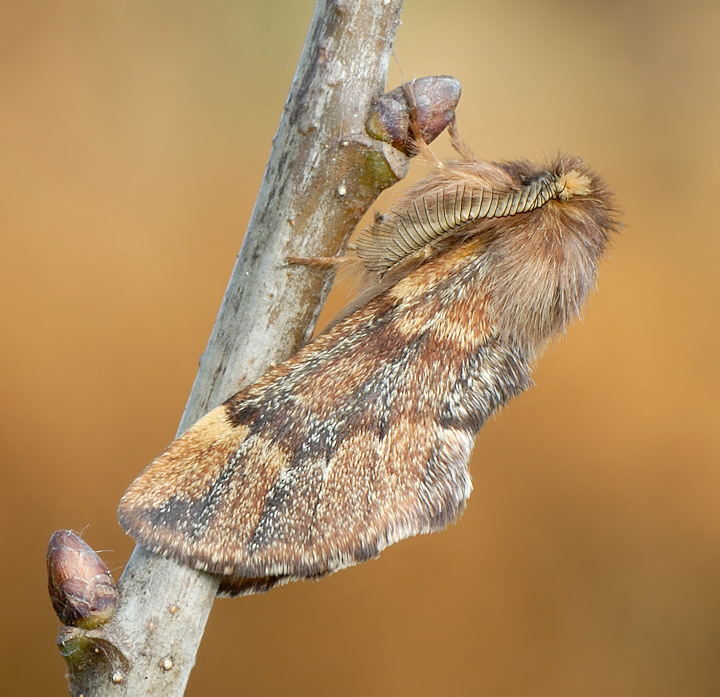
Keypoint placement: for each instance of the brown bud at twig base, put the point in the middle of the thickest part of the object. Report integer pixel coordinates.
(428, 102)
(80, 586)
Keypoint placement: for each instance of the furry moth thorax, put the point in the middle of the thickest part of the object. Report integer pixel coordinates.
(362, 438)
(535, 233)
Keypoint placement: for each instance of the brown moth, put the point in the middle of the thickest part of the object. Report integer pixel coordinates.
(362, 438)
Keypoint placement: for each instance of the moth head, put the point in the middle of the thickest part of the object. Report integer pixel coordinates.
(545, 261)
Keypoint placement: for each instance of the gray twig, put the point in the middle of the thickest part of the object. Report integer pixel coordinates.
(323, 174)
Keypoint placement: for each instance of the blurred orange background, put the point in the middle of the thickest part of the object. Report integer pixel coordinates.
(134, 137)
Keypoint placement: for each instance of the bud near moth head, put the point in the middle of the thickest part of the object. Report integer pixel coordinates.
(362, 438)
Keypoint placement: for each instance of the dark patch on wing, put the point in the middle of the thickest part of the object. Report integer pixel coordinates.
(474, 397)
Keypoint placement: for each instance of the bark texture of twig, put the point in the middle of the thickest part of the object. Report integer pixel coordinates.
(324, 173)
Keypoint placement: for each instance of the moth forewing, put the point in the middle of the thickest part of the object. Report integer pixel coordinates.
(362, 438)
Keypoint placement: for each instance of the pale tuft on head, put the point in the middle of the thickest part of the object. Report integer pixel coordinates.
(573, 183)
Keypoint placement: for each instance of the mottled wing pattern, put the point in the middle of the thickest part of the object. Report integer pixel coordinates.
(360, 439)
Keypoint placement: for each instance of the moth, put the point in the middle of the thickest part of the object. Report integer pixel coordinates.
(362, 438)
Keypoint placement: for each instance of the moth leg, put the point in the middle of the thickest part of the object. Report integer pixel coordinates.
(458, 143)
(321, 261)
